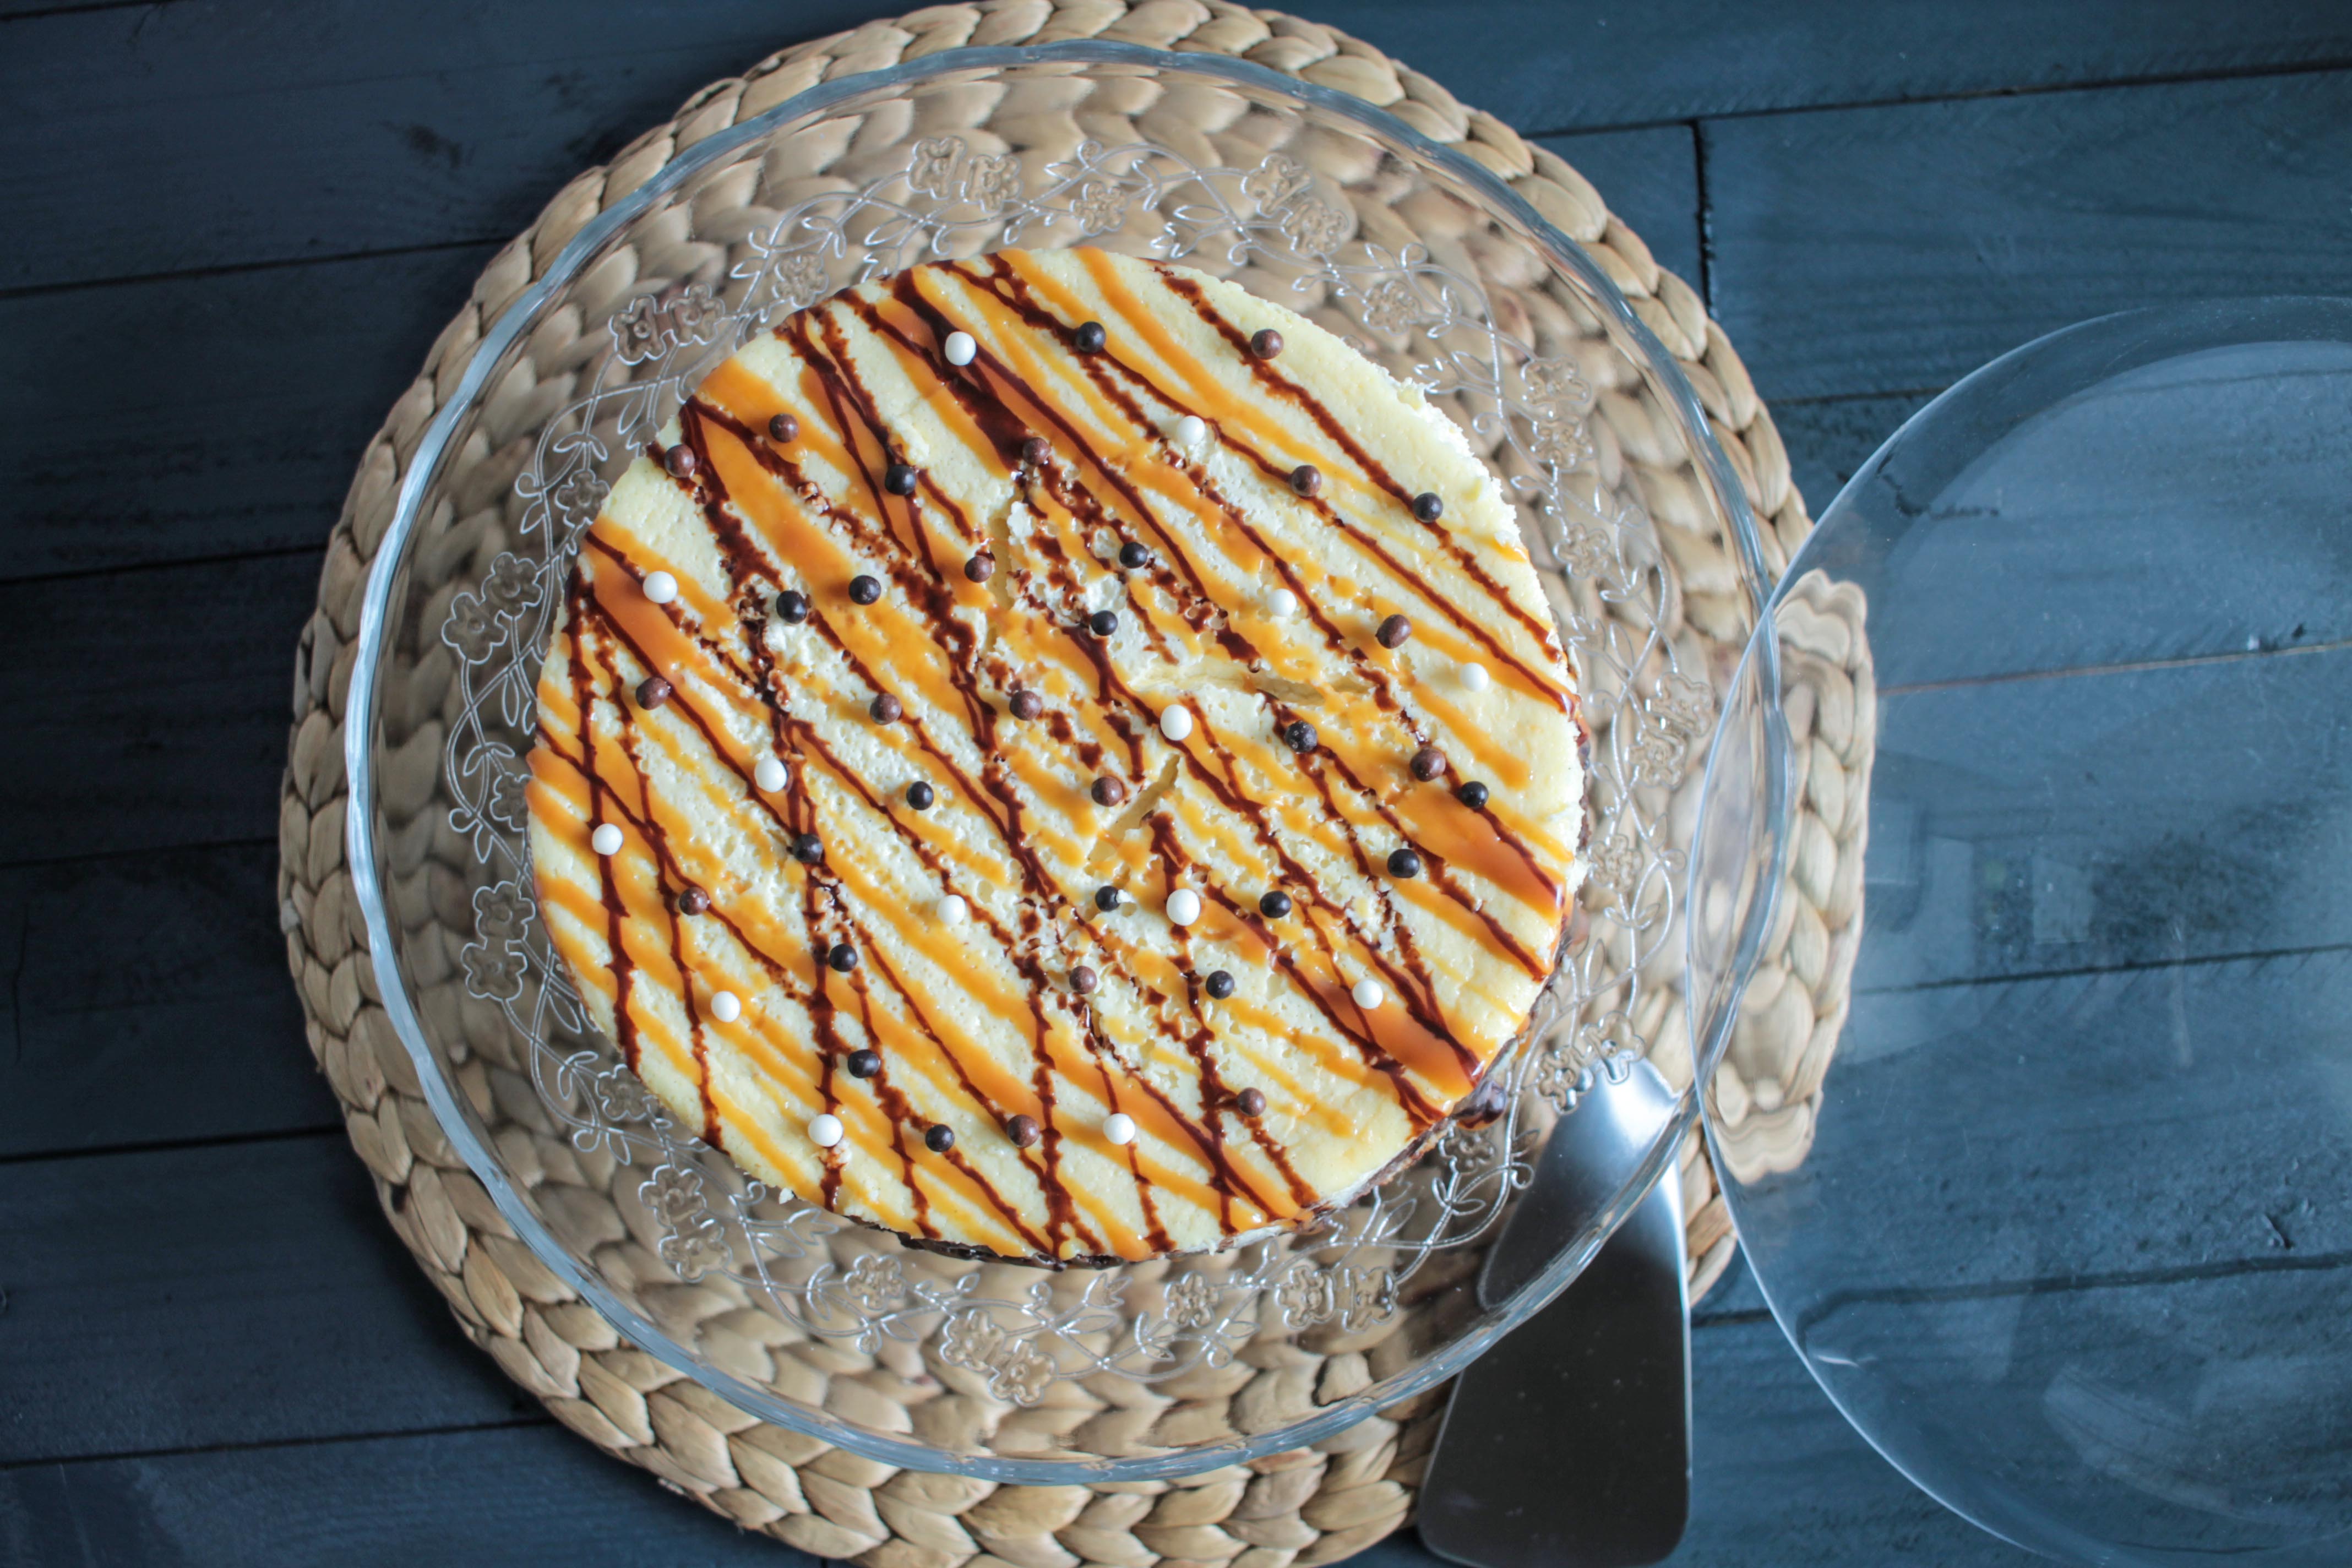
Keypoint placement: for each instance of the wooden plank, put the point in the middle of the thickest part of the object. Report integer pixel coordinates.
(1875, 250)
(1650, 179)
(230, 413)
(2130, 818)
(155, 711)
(2169, 1123)
(271, 131)
(1779, 1480)
(149, 1003)
(240, 1293)
(1829, 439)
(526, 1496)
(1549, 67)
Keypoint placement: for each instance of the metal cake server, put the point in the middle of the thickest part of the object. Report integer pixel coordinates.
(1568, 1444)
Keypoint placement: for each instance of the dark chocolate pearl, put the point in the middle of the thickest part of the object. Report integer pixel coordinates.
(1427, 507)
(1403, 863)
(980, 569)
(792, 608)
(1027, 705)
(808, 848)
(1299, 736)
(1275, 905)
(1307, 480)
(1219, 984)
(939, 1139)
(1133, 557)
(1265, 342)
(1023, 1130)
(1108, 791)
(1107, 899)
(885, 708)
(842, 959)
(1036, 450)
(1473, 795)
(679, 460)
(1427, 764)
(864, 1064)
(1102, 623)
(692, 901)
(920, 795)
(1251, 1101)
(653, 691)
(1083, 980)
(864, 590)
(899, 478)
(1394, 631)
(1091, 337)
(783, 427)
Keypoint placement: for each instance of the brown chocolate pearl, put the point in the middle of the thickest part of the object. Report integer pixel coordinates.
(1427, 764)
(653, 691)
(842, 959)
(939, 1139)
(1307, 480)
(885, 708)
(1023, 1130)
(980, 569)
(783, 427)
(1394, 631)
(864, 590)
(1027, 705)
(692, 901)
(1036, 450)
(1265, 342)
(1083, 980)
(1252, 1101)
(679, 460)
(1428, 506)
(864, 1064)
(1091, 337)
(1108, 791)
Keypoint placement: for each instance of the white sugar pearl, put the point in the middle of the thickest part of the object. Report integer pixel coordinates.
(953, 910)
(1282, 602)
(605, 841)
(660, 587)
(1190, 431)
(770, 775)
(824, 1130)
(1119, 1127)
(960, 349)
(1183, 906)
(1474, 677)
(725, 1007)
(1368, 992)
(1176, 723)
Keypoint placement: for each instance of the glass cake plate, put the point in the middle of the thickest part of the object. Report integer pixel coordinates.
(1649, 555)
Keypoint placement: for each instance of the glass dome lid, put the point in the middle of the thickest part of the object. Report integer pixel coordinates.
(2059, 1211)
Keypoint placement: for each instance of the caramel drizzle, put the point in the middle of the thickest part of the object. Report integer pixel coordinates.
(853, 413)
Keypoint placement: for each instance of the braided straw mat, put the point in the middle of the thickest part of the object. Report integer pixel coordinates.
(1305, 1506)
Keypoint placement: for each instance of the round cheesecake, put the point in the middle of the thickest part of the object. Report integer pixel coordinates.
(1060, 758)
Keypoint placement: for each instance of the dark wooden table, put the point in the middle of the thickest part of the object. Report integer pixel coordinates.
(232, 227)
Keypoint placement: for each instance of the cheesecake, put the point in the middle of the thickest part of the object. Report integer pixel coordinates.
(1060, 758)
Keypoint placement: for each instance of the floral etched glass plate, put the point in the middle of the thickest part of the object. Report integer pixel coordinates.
(1307, 197)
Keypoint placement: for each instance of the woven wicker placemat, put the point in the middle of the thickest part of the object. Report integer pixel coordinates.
(1305, 1506)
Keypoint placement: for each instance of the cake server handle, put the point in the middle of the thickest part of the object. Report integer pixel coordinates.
(1568, 1444)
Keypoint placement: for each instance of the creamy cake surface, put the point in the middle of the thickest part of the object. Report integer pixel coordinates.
(1056, 755)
